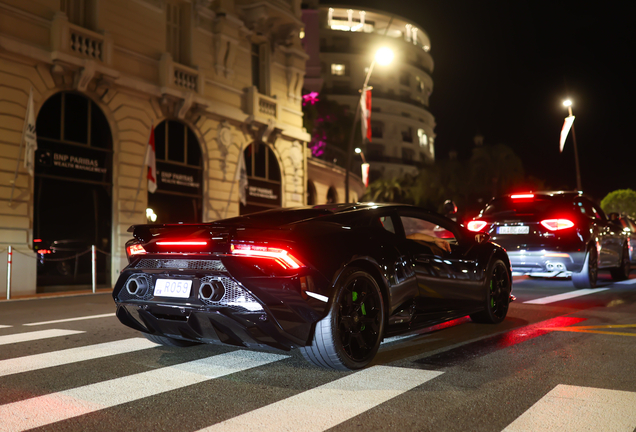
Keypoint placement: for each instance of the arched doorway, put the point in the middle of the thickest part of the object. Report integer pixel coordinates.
(263, 178)
(311, 193)
(332, 195)
(72, 192)
(179, 194)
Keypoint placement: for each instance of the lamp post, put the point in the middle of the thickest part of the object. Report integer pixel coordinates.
(383, 56)
(568, 103)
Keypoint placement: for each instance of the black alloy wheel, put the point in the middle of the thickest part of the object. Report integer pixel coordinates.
(588, 276)
(498, 287)
(622, 271)
(350, 335)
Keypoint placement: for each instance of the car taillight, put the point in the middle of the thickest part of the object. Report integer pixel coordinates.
(44, 251)
(182, 243)
(281, 256)
(135, 249)
(557, 224)
(476, 225)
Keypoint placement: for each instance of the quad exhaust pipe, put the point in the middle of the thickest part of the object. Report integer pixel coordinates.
(212, 291)
(555, 266)
(137, 286)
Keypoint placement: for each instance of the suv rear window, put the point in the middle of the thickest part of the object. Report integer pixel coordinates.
(537, 205)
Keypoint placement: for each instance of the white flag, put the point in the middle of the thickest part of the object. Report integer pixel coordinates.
(29, 136)
(241, 177)
(567, 124)
(365, 174)
(151, 162)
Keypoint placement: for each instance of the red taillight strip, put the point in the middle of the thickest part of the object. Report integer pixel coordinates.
(281, 256)
(182, 243)
(557, 224)
(522, 196)
(476, 225)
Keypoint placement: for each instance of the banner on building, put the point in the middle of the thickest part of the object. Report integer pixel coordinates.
(365, 109)
(567, 124)
(365, 174)
(151, 162)
(29, 136)
(241, 177)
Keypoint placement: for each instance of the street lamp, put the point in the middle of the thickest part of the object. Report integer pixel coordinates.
(568, 103)
(383, 57)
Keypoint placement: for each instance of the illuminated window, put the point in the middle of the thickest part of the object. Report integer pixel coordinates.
(338, 69)
(423, 139)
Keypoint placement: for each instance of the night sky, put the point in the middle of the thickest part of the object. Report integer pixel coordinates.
(503, 68)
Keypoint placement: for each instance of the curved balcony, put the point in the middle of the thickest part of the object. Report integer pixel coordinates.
(389, 95)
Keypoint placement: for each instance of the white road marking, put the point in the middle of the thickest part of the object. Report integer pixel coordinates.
(37, 335)
(71, 319)
(571, 408)
(5, 326)
(72, 355)
(43, 410)
(626, 282)
(331, 404)
(565, 296)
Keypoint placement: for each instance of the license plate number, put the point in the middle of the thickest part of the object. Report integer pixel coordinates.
(173, 288)
(522, 229)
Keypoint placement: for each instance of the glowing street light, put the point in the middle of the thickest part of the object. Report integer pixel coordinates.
(383, 57)
(568, 103)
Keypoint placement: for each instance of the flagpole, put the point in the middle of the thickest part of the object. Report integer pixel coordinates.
(17, 165)
(568, 104)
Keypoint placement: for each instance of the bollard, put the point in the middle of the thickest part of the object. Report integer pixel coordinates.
(93, 267)
(9, 264)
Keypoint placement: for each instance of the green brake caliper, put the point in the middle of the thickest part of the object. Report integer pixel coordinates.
(354, 297)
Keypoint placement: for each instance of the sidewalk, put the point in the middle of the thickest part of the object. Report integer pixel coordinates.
(66, 293)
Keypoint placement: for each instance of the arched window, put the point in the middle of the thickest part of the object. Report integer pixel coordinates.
(178, 197)
(332, 195)
(263, 178)
(73, 191)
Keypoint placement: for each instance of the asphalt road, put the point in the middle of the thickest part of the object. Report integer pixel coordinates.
(565, 363)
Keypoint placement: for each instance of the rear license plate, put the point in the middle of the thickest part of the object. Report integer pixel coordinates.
(173, 288)
(522, 229)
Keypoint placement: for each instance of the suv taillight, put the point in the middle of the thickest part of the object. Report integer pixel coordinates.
(476, 225)
(557, 224)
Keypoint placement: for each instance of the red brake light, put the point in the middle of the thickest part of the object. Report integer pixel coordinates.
(557, 224)
(476, 225)
(182, 243)
(522, 196)
(44, 251)
(281, 256)
(136, 249)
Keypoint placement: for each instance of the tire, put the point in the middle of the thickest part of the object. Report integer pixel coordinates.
(589, 274)
(498, 286)
(168, 341)
(622, 271)
(349, 336)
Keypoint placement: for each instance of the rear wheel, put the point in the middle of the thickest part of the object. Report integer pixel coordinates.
(498, 288)
(589, 274)
(622, 271)
(168, 341)
(349, 336)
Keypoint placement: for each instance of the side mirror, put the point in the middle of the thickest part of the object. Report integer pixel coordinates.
(482, 237)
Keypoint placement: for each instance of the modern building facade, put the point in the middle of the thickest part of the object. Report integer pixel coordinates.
(211, 79)
(341, 43)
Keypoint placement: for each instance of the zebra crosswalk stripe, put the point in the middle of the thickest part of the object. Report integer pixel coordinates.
(330, 404)
(108, 315)
(43, 410)
(572, 408)
(36, 335)
(72, 355)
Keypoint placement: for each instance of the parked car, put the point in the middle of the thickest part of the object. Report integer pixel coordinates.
(556, 234)
(629, 226)
(332, 280)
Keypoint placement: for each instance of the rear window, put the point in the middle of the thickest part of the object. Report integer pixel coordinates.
(532, 206)
(276, 218)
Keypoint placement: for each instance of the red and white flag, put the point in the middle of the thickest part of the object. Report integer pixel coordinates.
(365, 107)
(567, 124)
(29, 136)
(365, 174)
(151, 162)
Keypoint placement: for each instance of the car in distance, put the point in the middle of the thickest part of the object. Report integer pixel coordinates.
(556, 234)
(332, 280)
(629, 226)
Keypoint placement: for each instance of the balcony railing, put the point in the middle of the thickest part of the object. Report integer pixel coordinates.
(260, 105)
(178, 76)
(390, 95)
(72, 39)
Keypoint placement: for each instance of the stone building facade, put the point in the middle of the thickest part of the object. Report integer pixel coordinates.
(212, 78)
